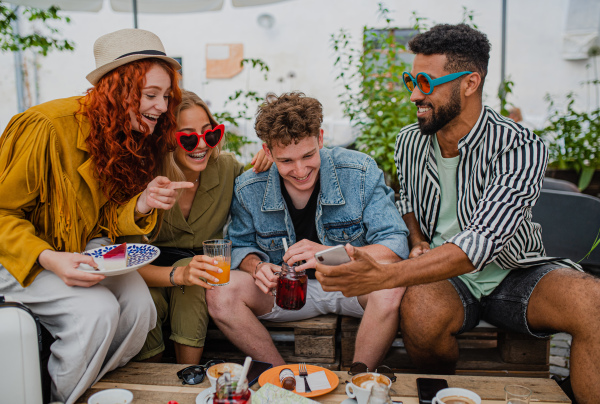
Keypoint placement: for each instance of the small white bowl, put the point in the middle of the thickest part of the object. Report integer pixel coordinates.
(112, 396)
(213, 372)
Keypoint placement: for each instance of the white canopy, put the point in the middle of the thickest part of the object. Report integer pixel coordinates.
(143, 6)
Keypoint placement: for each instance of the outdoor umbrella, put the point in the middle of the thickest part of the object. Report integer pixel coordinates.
(142, 6)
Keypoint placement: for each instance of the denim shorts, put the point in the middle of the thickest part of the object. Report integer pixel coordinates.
(506, 306)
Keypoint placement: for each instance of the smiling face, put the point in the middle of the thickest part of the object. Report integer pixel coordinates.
(193, 119)
(298, 164)
(444, 104)
(155, 98)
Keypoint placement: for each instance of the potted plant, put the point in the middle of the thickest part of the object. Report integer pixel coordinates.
(243, 104)
(373, 95)
(573, 140)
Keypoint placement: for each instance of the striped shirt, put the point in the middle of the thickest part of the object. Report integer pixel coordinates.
(499, 177)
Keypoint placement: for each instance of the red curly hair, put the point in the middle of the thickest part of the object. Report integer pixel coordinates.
(125, 160)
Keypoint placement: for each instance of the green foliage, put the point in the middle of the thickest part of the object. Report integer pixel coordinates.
(41, 42)
(468, 17)
(573, 140)
(574, 137)
(504, 90)
(595, 244)
(242, 102)
(373, 95)
(257, 62)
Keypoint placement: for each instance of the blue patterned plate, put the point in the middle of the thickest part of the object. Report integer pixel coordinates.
(138, 255)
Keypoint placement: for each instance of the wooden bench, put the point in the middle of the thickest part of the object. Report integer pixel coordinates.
(328, 341)
(312, 341)
(484, 351)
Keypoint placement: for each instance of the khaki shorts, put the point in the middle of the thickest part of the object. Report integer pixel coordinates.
(187, 314)
(317, 302)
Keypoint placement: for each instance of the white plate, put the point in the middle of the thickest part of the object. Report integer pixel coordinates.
(138, 255)
(349, 401)
(207, 395)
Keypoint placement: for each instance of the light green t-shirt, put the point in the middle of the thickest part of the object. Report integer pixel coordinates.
(481, 283)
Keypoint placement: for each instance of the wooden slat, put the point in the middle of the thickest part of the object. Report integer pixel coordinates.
(327, 322)
(315, 345)
(158, 374)
(516, 348)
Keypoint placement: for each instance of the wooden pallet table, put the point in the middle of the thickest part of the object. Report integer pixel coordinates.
(157, 383)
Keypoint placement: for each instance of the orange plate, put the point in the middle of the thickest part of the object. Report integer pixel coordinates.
(272, 376)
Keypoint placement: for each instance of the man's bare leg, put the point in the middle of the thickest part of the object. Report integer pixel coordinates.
(378, 327)
(569, 301)
(188, 354)
(234, 309)
(430, 316)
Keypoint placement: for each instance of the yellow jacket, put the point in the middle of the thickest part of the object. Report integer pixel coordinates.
(49, 197)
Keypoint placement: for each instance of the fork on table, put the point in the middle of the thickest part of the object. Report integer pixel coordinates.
(303, 374)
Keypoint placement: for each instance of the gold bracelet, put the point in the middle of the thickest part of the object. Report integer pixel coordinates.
(137, 212)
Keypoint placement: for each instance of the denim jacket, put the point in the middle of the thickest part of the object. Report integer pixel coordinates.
(354, 206)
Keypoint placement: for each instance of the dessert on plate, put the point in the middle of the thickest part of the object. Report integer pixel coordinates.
(116, 258)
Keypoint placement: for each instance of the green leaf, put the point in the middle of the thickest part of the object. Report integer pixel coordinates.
(585, 177)
(594, 245)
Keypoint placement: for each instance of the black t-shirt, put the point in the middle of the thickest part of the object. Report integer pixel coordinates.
(304, 219)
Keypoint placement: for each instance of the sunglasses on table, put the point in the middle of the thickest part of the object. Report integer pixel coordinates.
(425, 83)
(189, 141)
(195, 374)
(359, 367)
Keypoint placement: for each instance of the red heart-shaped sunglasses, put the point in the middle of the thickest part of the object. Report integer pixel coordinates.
(189, 141)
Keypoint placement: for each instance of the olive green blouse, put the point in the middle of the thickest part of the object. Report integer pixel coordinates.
(210, 208)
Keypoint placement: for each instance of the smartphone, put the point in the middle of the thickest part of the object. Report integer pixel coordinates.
(333, 256)
(428, 388)
(256, 369)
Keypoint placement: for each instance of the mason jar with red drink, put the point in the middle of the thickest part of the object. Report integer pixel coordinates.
(291, 288)
(229, 390)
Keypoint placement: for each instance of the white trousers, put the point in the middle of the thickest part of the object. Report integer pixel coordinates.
(97, 329)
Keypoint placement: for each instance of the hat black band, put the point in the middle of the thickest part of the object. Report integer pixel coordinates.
(144, 52)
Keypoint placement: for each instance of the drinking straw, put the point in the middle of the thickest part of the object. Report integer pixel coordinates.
(285, 247)
(243, 374)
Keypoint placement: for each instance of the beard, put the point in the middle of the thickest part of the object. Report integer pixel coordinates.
(442, 115)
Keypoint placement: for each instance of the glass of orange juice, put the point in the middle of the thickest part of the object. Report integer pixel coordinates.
(220, 250)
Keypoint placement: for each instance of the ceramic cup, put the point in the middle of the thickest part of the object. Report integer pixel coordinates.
(217, 370)
(361, 384)
(111, 396)
(455, 395)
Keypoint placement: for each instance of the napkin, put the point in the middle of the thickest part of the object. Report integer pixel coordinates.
(271, 394)
(316, 381)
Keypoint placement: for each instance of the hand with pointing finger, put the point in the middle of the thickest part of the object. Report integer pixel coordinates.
(161, 193)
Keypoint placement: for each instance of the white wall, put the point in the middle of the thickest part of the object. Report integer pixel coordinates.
(300, 42)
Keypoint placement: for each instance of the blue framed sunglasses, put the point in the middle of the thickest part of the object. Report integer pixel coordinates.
(425, 83)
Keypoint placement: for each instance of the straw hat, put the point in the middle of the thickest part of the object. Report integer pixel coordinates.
(124, 46)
